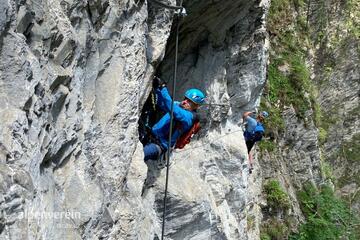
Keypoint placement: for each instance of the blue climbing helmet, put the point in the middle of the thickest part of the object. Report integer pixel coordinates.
(264, 114)
(195, 95)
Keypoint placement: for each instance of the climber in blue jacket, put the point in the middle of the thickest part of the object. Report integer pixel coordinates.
(254, 128)
(254, 131)
(184, 116)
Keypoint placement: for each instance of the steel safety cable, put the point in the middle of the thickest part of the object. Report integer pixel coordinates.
(178, 18)
(162, 4)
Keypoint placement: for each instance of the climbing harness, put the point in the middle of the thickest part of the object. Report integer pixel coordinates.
(153, 100)
(147, 119)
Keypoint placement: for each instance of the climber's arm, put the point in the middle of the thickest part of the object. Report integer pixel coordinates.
(180, 114)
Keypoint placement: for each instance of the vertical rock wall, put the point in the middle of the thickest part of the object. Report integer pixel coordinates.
(222, 51)
(320, 145)
(74, 76)
(337, 64)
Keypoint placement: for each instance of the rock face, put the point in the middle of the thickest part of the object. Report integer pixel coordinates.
(74, 77)
(339, 81)
(321, 146)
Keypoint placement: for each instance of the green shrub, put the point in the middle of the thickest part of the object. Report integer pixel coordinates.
(316, 110)
(275, 122)
(290, 88)
(279, 13)
(322, 135)
(274, 229)
(276, 197)
(264, 236)
(250, 219)
(267, 145)
(294, 86)
(327, 217)
(326, 170)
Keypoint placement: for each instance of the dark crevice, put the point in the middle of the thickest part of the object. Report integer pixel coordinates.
(56, 40)
(39, 90)
(64, 161)
(27, 33)
(88, 9)
(57, 157)
(64, 80)
(57, 107)
(97, 13)
(28, 105)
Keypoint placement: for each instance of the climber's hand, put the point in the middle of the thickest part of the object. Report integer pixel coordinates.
(158, 83)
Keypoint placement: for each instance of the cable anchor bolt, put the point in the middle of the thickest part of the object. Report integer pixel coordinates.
(181, 12)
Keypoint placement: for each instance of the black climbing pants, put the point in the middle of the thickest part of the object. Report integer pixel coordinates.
(249, 145)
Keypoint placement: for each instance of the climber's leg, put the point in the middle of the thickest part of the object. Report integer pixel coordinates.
(249, 145)
(152, 151)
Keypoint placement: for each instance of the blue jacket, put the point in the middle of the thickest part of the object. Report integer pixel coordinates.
(184, 119)
(254, 130)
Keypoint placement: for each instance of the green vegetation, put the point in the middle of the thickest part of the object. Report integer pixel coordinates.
(327, 171)
(288, 75)
(289, 84)
(289, 81)
(269, 146)
(276, 197)
(327, 217)
(348, 155)
(250, 219)
(279, 203)
(348, 177)
(323, 120)
(353, 17)
(279, 14)
(274, 229)
(318, 28)
(274, 123)
(322, 135)
(264, 236)
(275, 120)
(285, 88)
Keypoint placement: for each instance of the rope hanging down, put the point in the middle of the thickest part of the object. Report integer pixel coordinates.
(171, 112)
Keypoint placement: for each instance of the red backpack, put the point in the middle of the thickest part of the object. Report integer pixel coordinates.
(186, 137)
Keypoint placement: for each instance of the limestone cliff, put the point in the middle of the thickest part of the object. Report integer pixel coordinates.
(312, 94)
(74, 78)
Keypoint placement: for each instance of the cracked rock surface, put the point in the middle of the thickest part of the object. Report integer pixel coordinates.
(74, 78)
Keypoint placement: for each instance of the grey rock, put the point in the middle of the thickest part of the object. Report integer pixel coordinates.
(24, 20)
(74, 78)
(4, 14)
